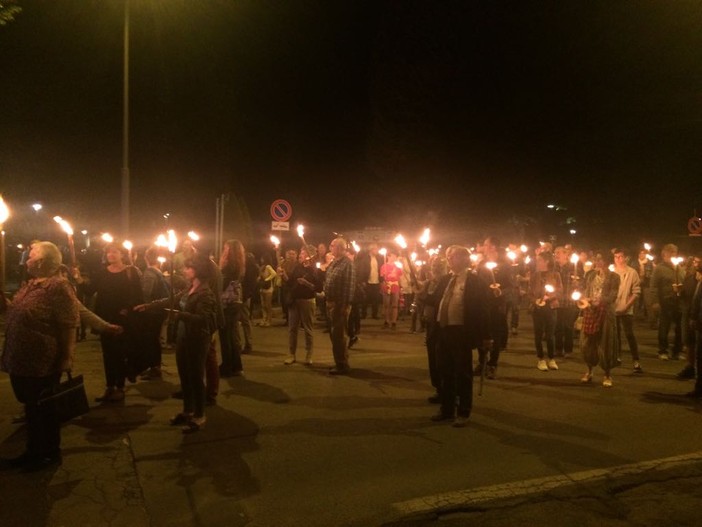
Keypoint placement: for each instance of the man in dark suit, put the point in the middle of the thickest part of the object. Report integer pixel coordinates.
(463, 317)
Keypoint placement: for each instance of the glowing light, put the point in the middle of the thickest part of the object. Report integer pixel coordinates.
(413, 257)
(84, 232)
(432, 252)
(172, 241)
(611, 267)
(398, 264)
(424, 238)
(677, 260)
(550, 206)
(523, 248)
(577, 295)
(527, 260)
(37, 207)
(573, 231)
(400, 240)
(275, 241)
(301, 231)
(161, 259)
(20, 246)
(356, 247)
(107, 237)
(512, 255)
(128, 245)
(4, 211)
(64, 225)
(161, 241)
(649, 257)
(383, 252)
(647, 246)
(473, 258)
(549, 288)
(193, 236)
(491, 265)
(318, 265)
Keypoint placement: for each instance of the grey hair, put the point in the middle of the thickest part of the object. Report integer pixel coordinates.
(50, 254)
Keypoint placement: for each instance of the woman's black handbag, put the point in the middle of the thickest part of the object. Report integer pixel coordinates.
(67, 398)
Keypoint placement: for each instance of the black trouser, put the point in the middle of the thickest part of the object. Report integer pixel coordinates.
(499, 331)
(698, 362)
(544, 325)
(191, 355)
(670, 314)
(373, 299)
(43, 425)
(354, 322)
(626, 323)
(565, 327)
(231, 349)
(114, 359)
(455, 365)
(432, 343)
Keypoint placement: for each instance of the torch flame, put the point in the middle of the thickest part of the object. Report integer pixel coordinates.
(172, 241)
(128, 245)
(424, 238)
(64, 225)
(300, 230)
(524, 248)
(512, 255)
(577, 295)
(161, 241)
(107, 237)
(383, 251)
(400, 240)
(275, 241)
(4, 211)
(647, 246)
(491, 265)
(574, 258)
(398, 264)
(193, 236)
(549, 288)
(356, 247)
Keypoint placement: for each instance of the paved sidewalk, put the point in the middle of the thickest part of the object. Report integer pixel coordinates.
(290, 445)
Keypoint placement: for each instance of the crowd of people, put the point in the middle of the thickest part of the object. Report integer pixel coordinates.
(462, 299)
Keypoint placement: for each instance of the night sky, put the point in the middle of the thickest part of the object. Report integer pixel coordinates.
(458, 114)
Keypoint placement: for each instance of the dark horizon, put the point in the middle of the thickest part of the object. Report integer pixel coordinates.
(361, 113)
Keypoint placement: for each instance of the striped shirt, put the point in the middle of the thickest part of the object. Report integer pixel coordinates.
(340, 281)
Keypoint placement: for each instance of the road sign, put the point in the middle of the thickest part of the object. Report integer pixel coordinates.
(280, 225)
(281, 210)
(694, 225)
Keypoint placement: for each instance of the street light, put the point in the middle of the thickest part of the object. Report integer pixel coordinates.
(125, 125)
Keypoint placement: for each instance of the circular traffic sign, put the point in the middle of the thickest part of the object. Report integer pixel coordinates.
(281, 210)
(694, 225)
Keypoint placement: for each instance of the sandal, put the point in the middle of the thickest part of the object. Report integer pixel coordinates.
(179, 419)
(195, 424)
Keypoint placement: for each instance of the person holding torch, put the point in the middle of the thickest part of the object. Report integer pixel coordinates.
(546, 289)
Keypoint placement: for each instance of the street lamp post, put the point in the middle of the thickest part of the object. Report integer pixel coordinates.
(125, 126)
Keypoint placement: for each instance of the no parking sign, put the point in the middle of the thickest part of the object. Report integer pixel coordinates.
(281, 210)
(694, 226)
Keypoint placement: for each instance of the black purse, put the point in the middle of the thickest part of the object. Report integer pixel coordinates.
(67, 398)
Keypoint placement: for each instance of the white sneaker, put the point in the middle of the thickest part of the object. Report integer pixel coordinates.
(541, 365)
(552, 365)
(290, 360)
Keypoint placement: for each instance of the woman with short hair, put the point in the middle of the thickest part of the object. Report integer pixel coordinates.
(40, 336)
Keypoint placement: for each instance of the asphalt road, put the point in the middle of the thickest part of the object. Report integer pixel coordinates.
(290, 445)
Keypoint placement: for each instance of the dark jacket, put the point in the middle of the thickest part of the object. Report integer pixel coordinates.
(199, 314)
(476, 302)
(363, 267)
